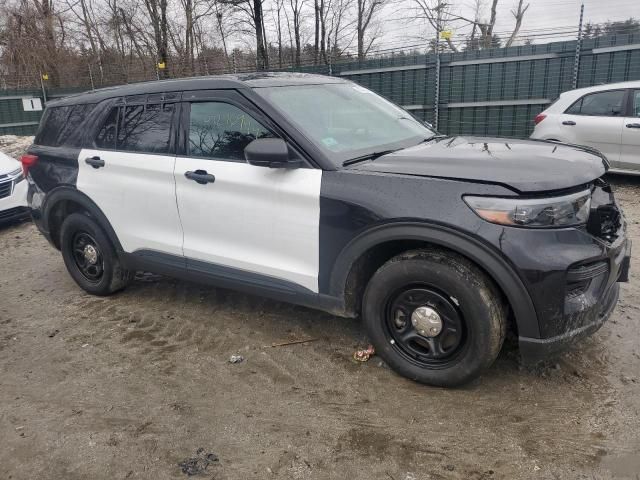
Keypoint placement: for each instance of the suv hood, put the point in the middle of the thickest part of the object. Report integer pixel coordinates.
(523, 165)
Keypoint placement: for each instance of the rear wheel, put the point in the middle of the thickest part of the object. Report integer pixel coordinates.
(434, 317)
(89, 256)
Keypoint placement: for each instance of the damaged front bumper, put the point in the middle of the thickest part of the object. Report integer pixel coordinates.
(591, 294)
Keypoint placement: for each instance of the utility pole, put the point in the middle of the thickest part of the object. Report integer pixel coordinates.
(576, 64)
(436, 103)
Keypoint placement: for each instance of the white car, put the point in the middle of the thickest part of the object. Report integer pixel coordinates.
(606, 117)
(13, 189)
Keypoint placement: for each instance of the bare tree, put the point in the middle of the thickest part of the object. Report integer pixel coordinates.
(157, 10)
(296, 10)
(518, 15)
(253, 13)
(367, 9)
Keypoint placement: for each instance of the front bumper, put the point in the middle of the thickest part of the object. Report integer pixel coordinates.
(14, 206)
(534, 350)
(586, 313)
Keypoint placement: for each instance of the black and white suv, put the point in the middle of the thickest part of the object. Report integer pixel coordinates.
(317, 191)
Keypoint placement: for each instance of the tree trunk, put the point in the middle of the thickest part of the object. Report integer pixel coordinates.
(323, 33)
(316, 37)
(261, 60)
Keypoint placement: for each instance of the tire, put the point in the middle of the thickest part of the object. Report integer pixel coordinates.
(466, 302)
(80, 233)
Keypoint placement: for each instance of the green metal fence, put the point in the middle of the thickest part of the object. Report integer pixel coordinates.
(494, 92)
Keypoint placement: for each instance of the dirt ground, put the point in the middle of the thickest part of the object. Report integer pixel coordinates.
(132, 385)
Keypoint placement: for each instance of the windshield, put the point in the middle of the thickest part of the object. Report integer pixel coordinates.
(346, 120)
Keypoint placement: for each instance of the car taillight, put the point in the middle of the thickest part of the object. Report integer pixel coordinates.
(28, 161)
(539, 118)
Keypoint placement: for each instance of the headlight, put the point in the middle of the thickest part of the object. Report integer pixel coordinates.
(16, 175)
(534, 212)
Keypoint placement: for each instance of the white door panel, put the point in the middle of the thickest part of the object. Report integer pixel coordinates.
(601, 133)
(136, 192)
(630, 153)
(257, 219)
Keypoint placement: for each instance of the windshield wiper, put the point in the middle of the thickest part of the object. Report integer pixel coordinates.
(368, 156)
(433, 137)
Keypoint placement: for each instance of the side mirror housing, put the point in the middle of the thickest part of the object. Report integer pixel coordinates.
(270, 152)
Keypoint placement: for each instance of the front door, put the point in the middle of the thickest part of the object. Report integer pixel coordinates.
(596, 121)
(253, 222)
(128, 173)
(630, 151)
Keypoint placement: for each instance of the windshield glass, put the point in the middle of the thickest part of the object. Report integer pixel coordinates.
(346, 120)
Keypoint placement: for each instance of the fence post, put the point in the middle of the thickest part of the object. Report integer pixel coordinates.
(44, 92)
(91, 77)
(576, 65)
(436, 99)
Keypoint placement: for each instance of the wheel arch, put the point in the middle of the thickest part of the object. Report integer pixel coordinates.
(362, 256)
(62, 201)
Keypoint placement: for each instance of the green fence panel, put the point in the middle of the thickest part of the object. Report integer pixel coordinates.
(488, 92)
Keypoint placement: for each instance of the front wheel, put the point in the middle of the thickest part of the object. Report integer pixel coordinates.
(90, 257)
(434, 317)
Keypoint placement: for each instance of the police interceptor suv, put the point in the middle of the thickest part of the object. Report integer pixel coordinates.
(317, 191)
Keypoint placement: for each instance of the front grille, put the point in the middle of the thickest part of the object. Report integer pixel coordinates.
(12, 212)
(605, 218)
(5, 189)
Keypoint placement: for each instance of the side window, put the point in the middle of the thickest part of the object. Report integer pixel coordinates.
(107, 135)
(145, 128)
(71, 133)
(221, 130)
(575, 108)
(61, 126)
(52, 124)
(636, 104)
(603, 104)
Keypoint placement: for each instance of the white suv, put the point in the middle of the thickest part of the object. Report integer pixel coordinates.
(606, 117)
(13, 190)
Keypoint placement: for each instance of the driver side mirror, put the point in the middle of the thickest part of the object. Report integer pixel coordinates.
(270, 152)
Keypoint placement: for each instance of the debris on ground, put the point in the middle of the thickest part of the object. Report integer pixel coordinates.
(198, 464)
(364, 355)
(14, 145)
(291, 342)
(236, 359)
(53, 333)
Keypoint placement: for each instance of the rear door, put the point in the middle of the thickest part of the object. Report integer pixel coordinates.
(129, 173)
(255, 223)
(630, 150)
(596, 120)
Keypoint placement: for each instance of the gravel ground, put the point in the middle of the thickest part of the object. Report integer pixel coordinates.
(133, 385)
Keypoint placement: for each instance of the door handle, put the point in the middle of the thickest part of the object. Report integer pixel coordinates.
(95, 162)
(569, 122)
(633, 125)
(200, 176)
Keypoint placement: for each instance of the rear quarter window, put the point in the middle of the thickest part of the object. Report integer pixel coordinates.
(137, 128)
(600, 104)
(62, 126)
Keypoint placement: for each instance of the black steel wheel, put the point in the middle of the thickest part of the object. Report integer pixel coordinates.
(424, 325)
(434, 317)
(90, 257)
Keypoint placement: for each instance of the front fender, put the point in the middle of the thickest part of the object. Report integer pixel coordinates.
(484, 255)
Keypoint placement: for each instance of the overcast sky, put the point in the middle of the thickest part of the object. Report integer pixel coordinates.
(545, 20)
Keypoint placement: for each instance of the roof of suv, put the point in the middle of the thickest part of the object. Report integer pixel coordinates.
(243, 80)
